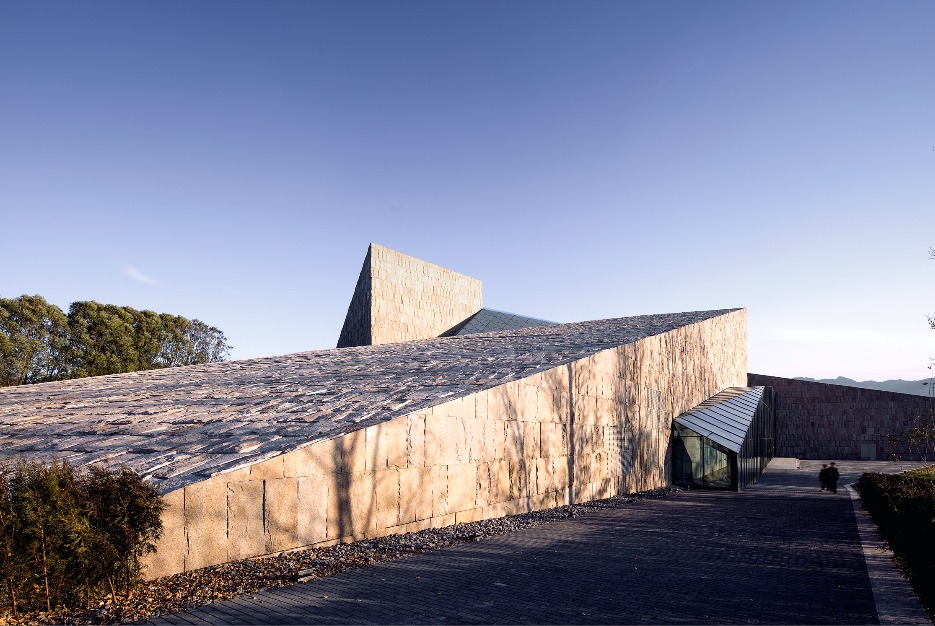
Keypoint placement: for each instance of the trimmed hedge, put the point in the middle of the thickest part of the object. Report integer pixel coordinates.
(68, 538)
(903, 506)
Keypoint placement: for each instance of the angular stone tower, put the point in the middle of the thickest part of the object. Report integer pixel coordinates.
(402, 298)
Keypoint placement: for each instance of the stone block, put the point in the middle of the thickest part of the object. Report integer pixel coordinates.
(482, 495)
(415, 494)
(555, 378)
(515, 507)
(540, 502)
(495, 439)
(560, 472)
(496, 510)
(411, 527)
(439, 490)
(282, 506)
(387, 498)
(387, 445)
(445, 440)
(586, 409)
(480, 405)
(478, 451)
(246, 532)
(607, 411)
(169, 557)
(363, 504)
(553, 406)
(500, 481)
(235, 475)
(312, 510)
(205, 524)
(552, 439)
(375, 455)
(351, 507)
(513, 445)
(527, 402)
(268, 470)
(315, 460)
(519, 479)
(471, 515)
(582, 469)
(598, 466)
(354, 452)
(603, 488)
(545, 477)
(396, 438)
(459, 407)
(415, 441)
(502, 402)
(530, 438)
(443, 520)
(462, 487)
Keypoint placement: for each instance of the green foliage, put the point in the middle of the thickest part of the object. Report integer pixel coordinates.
(121, 507)
(918, 438)
(33, 335)
(903, 506)
(39, 343)
(67, 538)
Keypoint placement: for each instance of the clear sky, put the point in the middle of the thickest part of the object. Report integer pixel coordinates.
(231, 161)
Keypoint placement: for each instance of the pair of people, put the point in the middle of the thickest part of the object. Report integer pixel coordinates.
(828, 477)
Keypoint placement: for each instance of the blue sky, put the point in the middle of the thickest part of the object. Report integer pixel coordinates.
(231, 161)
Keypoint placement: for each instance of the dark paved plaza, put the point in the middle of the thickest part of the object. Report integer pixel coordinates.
(781, 552)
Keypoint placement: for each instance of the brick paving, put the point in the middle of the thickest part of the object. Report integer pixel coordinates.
(780, 552)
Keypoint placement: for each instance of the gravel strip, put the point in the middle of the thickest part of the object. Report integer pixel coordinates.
(195, 588)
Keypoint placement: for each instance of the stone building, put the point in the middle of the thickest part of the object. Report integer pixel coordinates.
(434, 410)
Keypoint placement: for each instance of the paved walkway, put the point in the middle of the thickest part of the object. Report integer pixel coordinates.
(780, 552)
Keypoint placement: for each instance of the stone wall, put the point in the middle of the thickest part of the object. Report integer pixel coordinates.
(587, 429)
(402, 298)
(827, 422)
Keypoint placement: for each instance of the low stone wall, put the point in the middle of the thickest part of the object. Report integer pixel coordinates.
(588, 429)
(827, 422)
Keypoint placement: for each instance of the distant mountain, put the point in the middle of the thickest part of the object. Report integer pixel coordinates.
(915, 387)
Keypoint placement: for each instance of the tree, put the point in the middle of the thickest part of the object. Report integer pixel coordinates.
(102, 340)
(39, 343)
(51, 534)
(33, 335)
(208, 344)
(127, 512)
(67, 538)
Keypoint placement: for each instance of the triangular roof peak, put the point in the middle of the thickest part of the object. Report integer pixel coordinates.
(399, 297)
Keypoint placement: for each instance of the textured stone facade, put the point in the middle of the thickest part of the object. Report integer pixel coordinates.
(823, 421)
(181, 425)
(587, 427)
(402, 298)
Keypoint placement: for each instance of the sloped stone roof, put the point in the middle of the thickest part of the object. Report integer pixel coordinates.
(492, 320)
(180, 425)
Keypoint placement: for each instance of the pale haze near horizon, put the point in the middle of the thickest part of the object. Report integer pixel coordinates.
(231, 161)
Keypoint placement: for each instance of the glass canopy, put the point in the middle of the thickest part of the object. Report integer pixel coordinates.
(726, 441)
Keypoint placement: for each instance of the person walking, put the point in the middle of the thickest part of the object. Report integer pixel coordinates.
(823, 476)
(833, 476)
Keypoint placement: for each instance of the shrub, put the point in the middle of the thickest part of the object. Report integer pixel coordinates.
(68, 538)
(903, 506)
